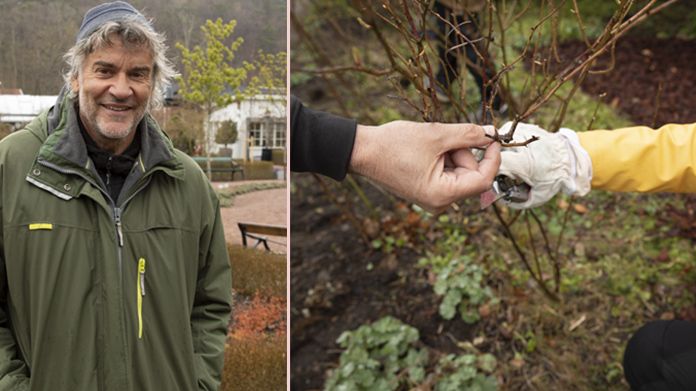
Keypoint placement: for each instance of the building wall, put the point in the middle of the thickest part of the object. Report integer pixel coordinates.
(18, 110)
(262, 108)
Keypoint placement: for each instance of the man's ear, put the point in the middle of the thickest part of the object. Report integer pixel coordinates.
(74, 85)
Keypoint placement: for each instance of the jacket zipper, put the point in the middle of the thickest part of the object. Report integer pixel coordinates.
(117, 211)
(140, 283)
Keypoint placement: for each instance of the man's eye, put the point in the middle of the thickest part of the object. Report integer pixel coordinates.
(103, 71)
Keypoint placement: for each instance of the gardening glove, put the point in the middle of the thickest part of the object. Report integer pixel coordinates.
(554, 162)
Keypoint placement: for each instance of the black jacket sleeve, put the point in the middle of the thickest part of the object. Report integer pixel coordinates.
(320, 142)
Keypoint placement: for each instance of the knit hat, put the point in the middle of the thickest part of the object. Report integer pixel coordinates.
(108, 12)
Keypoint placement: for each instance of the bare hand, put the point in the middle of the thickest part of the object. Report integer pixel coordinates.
(430, 164)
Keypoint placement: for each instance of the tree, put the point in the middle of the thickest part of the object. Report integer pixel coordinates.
(270, 73)
(226, 133)
(5, 130)
(209, 79)
(183, 124)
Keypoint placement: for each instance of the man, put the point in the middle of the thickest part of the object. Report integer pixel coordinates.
(661, 355)
(114, 273)
(458, 25)
(430, 164)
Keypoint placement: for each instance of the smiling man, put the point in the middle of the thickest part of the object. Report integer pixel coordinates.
(113, 267)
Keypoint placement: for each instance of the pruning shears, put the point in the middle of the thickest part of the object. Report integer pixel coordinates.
(506, 188)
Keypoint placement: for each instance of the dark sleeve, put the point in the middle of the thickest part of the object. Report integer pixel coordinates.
(320, 142)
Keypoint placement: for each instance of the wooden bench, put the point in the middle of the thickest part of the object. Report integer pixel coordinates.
(233, 168)
(254, 231)
(236, 168)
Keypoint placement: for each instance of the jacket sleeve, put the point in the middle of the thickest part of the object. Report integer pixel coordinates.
(320, 142)
(641, 159)
(211, 307)
(14, 374)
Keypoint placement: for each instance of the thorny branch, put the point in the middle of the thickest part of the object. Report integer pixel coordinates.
(404, 31)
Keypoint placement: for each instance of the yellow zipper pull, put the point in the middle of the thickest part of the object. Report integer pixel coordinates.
(140, 283)
(141, 272)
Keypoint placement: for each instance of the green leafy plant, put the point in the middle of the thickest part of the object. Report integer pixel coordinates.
(385, 355)
(466, 372)
(460, 282)
(269, 73)
(379, 356)
(457, 277)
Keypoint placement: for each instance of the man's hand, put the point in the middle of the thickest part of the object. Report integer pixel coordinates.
(554, 162)
(427, 163)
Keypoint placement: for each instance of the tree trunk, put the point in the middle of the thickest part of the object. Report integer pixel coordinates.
(207, 144)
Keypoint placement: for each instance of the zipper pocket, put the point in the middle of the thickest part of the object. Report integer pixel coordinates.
(140, 283)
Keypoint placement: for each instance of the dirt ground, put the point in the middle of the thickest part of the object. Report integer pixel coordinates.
(338, 282)
(265, 207)
(653, 80)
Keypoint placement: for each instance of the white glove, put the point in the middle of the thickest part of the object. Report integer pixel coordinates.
(555, 162)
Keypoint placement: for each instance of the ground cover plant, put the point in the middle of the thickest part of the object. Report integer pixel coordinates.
(359, 255)
(227, 195)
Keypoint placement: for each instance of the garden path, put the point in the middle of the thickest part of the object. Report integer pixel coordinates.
(264, 207)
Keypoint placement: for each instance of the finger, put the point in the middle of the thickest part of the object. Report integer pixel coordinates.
(449, 163)
(488, 166)
(458, 136)
(473, 182)
(489, 130)
(464, 158)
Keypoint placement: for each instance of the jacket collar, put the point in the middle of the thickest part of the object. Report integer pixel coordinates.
(64, 146)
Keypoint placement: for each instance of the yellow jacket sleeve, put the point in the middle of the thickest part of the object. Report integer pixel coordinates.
(643, 159)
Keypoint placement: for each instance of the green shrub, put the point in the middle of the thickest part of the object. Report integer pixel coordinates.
(257, 271)
(252, 169)
(258, 170)
(255, 364)
(227, 195)
(278, 157)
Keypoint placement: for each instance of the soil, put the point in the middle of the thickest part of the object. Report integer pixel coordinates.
(332, 286)
(338, 283)
(653, 81)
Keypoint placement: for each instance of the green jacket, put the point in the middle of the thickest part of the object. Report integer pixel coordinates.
(101, 296)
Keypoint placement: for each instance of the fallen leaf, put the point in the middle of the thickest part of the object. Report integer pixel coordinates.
(580, 208)
(484, 310)
(576, 323)
(517, 363)
(563, 204)
(371, 228)
(669, 315)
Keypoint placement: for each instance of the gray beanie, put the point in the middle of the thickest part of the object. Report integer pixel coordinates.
(108, 12)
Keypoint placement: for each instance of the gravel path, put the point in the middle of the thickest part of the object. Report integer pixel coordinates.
(264, 207)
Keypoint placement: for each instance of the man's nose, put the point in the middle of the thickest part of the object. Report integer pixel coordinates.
(121, 88)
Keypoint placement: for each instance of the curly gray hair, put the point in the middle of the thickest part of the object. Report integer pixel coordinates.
(133, 32)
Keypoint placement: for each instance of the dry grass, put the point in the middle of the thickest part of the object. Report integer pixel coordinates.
(257, 271)
(255, 364)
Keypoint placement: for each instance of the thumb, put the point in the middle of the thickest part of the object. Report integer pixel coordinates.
(458, 136)
(473, 182)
